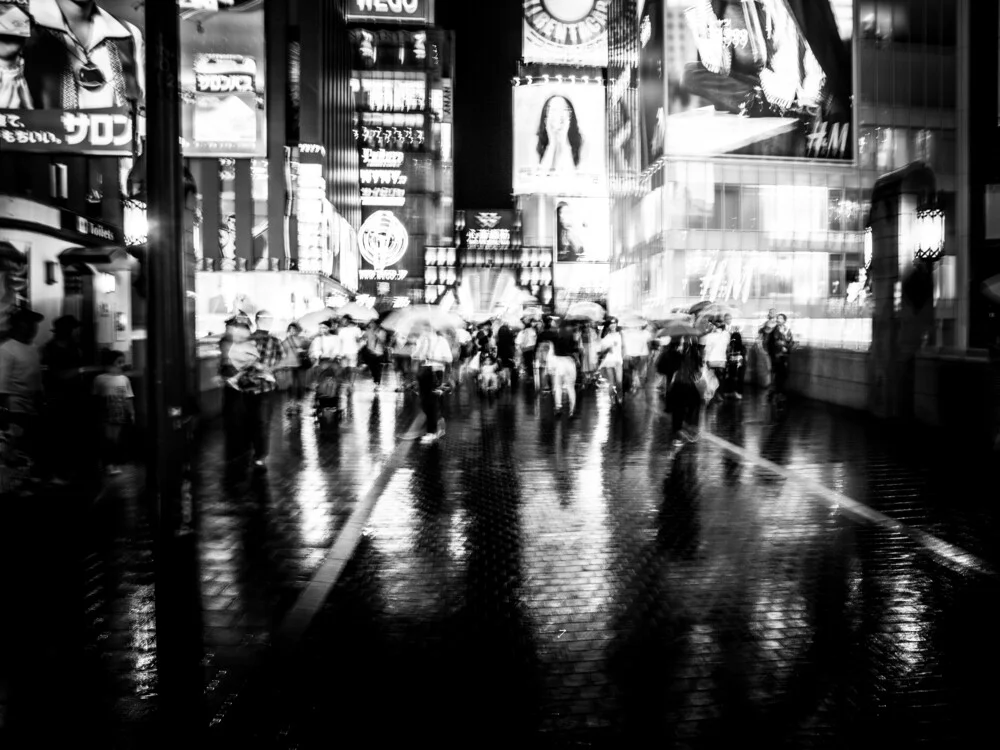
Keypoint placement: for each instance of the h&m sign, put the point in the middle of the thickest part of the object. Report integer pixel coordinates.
(407, 11)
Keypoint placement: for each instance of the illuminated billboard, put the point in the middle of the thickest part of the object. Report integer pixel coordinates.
(222, 77)
(401, 11)
(652, 83)
(560, 139)
(65, 96)
(760, 78)
(383, 179)
(566, 32)
(489, 230)
(583, 231)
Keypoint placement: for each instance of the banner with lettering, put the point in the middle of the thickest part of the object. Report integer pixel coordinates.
(402, 11)
(223, 78)
(53, 99)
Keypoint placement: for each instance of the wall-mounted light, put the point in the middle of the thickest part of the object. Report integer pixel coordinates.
(929, 234)
(136, 221)
(106, 283)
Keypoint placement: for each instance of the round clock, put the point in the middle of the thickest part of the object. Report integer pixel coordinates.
(567, 23)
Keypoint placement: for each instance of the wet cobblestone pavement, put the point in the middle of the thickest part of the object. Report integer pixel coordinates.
(564, 583)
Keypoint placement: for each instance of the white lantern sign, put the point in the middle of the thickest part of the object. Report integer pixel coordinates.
(383, 239)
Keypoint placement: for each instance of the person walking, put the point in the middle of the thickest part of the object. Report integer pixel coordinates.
(528, 341)
(566, 355)
(736, 357)
(64, 418)
(350, 347)
(256, 381)
(764, 347)
(374, 351)
(685, 398)
(780, 344)
(21, 386)
(544, 353)
(295, 355)
(612, 360)
(636, 355)
(116, 407)
(432, 353)
(716, 348)
(507, 351)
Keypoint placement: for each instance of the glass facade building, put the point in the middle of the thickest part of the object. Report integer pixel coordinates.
(783, 226)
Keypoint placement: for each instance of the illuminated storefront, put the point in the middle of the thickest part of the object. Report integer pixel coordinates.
(402, 91)
(757, 195)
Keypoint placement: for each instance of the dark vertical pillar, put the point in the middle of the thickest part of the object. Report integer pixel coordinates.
(78, 180)
(206, 173)
(178, 627)
(244, 212)
(111, 200)
(276, 40)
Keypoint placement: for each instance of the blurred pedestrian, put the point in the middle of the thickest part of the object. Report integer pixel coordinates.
(636, 357)
(528, 341)
(716, 348)
(350, 347)
(764, 347)
(295, 357)
(115, 407)
(566, 354)
(507, 351)
(253, 379)
(685, 399)
(780, 345)
(21, 387)
(431, 355)
(374, 352)
(736, 361)
(612, 360)
(65, 400)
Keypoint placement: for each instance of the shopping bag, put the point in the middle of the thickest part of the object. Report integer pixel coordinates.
(707, 384)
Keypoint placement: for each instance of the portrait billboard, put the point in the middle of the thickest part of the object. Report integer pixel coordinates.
(652, 83)
(566, 32)
(560, 139)
(583, 230)
(66, 95)
(760, 78)
(400, 11)
(222, 77)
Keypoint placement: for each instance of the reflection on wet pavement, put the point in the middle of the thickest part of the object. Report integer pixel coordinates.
(564, 581)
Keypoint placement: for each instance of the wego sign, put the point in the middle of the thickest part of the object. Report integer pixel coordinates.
(566, 31)
(388, 10)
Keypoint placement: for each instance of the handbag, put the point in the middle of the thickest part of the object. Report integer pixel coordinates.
(707, 384)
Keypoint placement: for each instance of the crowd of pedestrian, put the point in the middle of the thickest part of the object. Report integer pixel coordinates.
(54, 406)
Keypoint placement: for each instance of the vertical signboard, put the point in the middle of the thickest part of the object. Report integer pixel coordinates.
(223, 83)
(767, 78)
(652, 83)
(61, 94)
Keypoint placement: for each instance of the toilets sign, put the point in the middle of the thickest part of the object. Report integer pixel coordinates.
(404, 11)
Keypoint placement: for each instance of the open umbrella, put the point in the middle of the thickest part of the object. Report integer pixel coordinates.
(716, 310)
(675, 328)
(631, 320)
(586, 311)
(991, 288)
(697, 307)
(406, 319)
(311, 321)
(357, 312)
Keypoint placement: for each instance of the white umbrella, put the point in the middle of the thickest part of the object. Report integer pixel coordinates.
(630, 320)
(311, 321)
(586, 311)
(401, 322)
(357, 312)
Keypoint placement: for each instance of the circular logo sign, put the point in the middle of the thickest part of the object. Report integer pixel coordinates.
(383, 239)
(567, 23)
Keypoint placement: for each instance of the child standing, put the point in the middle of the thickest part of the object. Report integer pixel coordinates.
(116, 403)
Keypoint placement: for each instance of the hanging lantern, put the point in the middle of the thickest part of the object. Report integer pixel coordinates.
(929, 235)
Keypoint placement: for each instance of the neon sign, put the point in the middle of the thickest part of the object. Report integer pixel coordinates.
(383, 239)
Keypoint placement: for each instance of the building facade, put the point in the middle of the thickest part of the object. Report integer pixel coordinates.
(763, 128)
(402, 88)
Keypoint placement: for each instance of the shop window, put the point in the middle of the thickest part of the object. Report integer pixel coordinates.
(853, 263)
(884, 149)
(866, 147)
(716, 221)
(227, 212)
(731, 212)
(836, 209)
(923, 145)
(852, 212)
(749, 203)
(836, 276)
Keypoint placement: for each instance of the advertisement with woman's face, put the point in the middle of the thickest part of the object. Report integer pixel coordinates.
(583, 230)
(560, 139)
